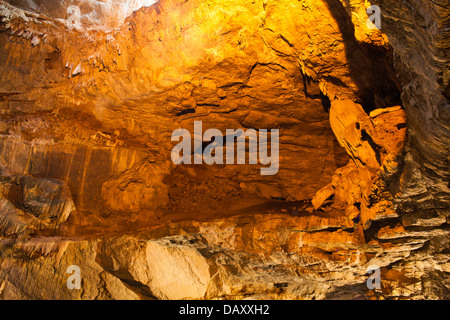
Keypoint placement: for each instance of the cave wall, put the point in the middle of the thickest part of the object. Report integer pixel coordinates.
(163, 70)
(418, 33)
(87, 115)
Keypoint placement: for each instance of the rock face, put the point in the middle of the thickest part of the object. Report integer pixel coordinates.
(87, 114)
(424, 74)
(28, 202)
(103, 14)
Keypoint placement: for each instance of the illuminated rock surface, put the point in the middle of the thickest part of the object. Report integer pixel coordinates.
(85, 142)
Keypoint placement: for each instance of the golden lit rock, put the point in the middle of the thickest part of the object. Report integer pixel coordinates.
(91, 93)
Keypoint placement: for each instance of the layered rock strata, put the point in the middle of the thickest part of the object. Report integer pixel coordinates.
(87, 115)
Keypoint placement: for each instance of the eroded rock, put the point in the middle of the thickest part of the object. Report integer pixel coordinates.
(28, 203)
(87, 114)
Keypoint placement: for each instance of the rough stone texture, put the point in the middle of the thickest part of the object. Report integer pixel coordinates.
(421, 47)
(28, 203)
(86, 119)
(269, 256)
(104, 14)
(375, 143)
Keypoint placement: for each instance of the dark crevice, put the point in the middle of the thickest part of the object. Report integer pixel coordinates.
(375, 226)
(370, 66)
(186, 111)
(326, 103)
(138, 288)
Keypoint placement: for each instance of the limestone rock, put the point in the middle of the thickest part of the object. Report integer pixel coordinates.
(94, 14)
(163, 270)
(87, 111)
(376, 143)
(423, 72)
(33, 203)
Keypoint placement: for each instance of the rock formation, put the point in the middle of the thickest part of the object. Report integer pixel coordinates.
(89, 100)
